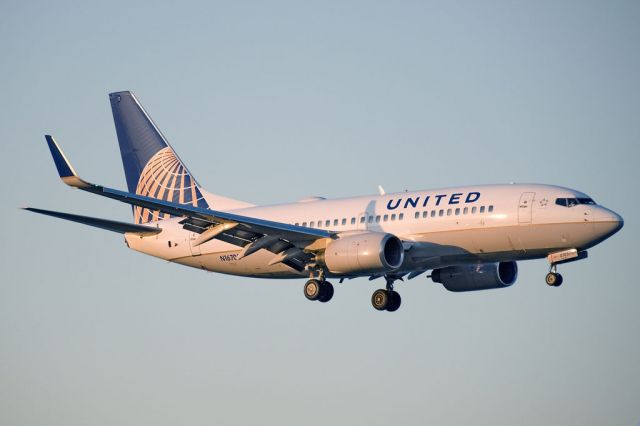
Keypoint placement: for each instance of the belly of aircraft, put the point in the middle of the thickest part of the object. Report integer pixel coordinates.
(428, 251)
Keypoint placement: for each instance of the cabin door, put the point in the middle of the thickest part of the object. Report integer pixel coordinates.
(525, 208)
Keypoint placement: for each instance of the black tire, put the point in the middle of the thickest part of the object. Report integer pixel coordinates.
(312, 289)
(558, 280)
(326, 292)
(551, 279)
(380, 299)
(394, 301)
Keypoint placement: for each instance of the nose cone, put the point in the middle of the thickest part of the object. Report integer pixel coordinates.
(619, 221)
(608, 223)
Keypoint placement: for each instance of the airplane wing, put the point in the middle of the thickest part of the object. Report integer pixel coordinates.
(286, 241)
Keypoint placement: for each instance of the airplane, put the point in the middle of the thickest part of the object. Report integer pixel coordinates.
(470, 238)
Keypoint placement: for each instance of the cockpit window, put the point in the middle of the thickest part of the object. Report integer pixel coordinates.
(570, 202)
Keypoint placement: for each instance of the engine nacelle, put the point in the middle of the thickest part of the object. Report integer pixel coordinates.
(483, 276)
(367, 252)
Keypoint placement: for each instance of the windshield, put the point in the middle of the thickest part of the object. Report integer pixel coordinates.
(570, 202)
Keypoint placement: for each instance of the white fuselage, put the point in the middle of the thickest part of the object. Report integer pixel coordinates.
(442, 227)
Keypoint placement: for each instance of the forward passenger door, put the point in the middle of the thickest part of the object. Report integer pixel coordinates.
(525, 208)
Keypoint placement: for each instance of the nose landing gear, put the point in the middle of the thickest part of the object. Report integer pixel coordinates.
(553, 278)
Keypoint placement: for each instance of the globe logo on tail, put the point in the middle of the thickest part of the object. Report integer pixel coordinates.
(165, 178)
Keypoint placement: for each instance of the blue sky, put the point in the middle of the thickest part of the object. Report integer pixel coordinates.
(275, 101)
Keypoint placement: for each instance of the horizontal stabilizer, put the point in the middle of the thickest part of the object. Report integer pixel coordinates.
(109, 225)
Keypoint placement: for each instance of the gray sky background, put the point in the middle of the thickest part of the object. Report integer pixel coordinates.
(274, 101)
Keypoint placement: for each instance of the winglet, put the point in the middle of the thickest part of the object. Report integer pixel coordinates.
(65, 169)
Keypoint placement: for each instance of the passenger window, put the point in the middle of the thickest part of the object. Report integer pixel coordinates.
(335, 222)
(401, 216)
(378, 219)
(362, 219)
(319, 224)
(297, 224)
(304, 224)
(473, 210)
(386, 217)
(425, 214)
(327, 223)
(481, 209)
(393, 216)
(433, 213)
(457, 211)
(448, 212)
(417, 215)
(344, 221)
(466, 210)
(441, 213)
(370, 219)
(490, 209)
(312, 224)
(353, 220)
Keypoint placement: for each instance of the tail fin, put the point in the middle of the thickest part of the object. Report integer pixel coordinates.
(151, 166)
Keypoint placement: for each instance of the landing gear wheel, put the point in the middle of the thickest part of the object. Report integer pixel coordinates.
(313, 289)
(559, 280)
(380, 299)
(553, 279)
(326, 292)
(394, 301)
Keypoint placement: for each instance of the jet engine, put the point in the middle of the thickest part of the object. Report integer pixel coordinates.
(366, 252)
(482, 276)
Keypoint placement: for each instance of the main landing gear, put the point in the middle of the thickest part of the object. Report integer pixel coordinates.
(553, 278)
(318, 289)
(386, 299)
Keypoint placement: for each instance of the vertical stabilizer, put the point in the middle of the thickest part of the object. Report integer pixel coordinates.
(152, 168)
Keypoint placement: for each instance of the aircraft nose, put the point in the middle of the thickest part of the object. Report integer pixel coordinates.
(618, 221)
(609, 222)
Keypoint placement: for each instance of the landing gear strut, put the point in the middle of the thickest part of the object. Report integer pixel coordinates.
(553, 278)
(318, 289)
(386, 299)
